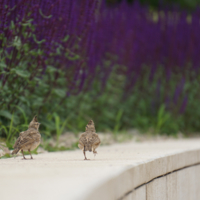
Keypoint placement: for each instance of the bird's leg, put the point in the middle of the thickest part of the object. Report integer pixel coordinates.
(30, 153)
(85, 155)
(23, 154)
(95, 153)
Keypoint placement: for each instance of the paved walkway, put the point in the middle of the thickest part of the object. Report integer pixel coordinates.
(65, 175)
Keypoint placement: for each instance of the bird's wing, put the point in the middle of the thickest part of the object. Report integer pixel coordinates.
(17, 142)
(82, 138)
(26, 138)
(18, 139)
(95, 139)
(89, 138)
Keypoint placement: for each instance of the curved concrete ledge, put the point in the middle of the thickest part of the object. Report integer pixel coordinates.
(126, 183)
(149, 170)
(182, 184)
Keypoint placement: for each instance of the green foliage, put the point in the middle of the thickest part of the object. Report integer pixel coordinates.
(31, 83)
(188, 4)
(5, 156)
(26, 93)
(110, 110)
(10, 130)
(59, 127)
(118, 121)
(163, 117)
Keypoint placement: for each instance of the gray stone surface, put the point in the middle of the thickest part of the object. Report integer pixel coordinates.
(128, 197)
(115, 171)
(172, 186)
(182, 184)
(140, 193)
(197, 181)
(157, 189)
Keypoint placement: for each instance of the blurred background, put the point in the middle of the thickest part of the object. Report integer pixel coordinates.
(126, 64)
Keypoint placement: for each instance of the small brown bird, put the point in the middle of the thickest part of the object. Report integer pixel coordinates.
(28, 140)
(89, 140)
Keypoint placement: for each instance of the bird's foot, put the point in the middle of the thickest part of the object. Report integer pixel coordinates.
(95, 153)
(86, 159)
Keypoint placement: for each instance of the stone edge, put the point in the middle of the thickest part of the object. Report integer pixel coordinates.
(131, 177)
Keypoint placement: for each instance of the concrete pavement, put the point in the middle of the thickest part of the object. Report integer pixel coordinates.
(115, 170)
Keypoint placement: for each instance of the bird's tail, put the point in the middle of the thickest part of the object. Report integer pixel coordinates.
(15, 151)
(87, 148)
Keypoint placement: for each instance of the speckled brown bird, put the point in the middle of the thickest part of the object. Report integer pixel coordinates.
(28, 140)
(89, 140)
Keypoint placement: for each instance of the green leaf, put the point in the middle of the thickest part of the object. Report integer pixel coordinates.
(38, 42)
(17, 42)
(76, 57)
(24, 100)
(65, 38)
(12, 25)
(58, 51)
(51, 68)
(26, 47)
(46, 17)
(38, 102)
(6, 114)
(118, 118)
(21, 73)
(39, 51)
(10, 129)
(49, 125)
(4, 128)
(60, 92)
(2, 65)
(27, 23)
(23, 113)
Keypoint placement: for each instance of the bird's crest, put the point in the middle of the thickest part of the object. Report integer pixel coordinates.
(34, 123)
(90, 126)
(91, 122)
(34, 119)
